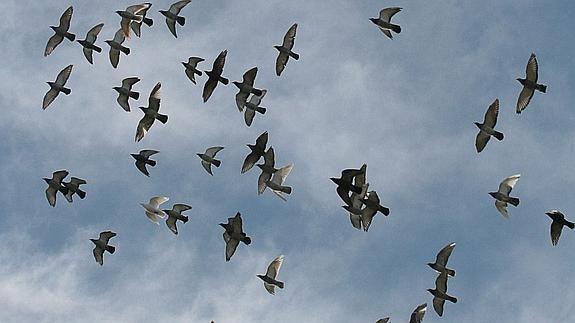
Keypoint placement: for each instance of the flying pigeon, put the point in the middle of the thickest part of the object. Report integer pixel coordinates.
(143, 158)
(116, 47)
(191, 69)
(137, 25)
(57, 87)
(384, 21)
(246, 87)
(285, 50)
(60, 32)
(418, 314)
(253, 106)
(372, 206)
(73, 187)
(102, 245)
(215, 75)
(557, 225)
(486, 129)
(354, 209)
(271, 274)
(268, 169)
(440, 264)
(172, 15)
(132, 13)
(150, 113)
(175, 214)
(88, 44)
(502, 196)
(529, 84)
(440, 294)
(153, 210)
(234, 234)
(55, 185)
(344, 184)
(208, 159)
(276, 183)
(125, 92)
(384, 320)
(257, 151)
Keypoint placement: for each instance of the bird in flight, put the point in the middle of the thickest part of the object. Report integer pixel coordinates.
(55, 185)
(172, 15)
(60, 32)
(270, 278)
(116, 47)
(215, 76)
(384, 21)
(234, 234)
(246, 87)
(150, 113)
(529, 84)
(143, 158)
(88, 46)
(208, 159)
(102, 245)
(57, 87)
(125, 92)
(440, 264)
(175, 214)
(502, 196)
(486, 129)
(153, 210)
(257, 151)
(557, 225)
(191, 70)
(285, 50)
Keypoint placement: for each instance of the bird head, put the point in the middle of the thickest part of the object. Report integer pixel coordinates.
(494, 194)
(119, 12)
(260, 166)
(261, 276)
(109, 42)
(47, 180)
(50, 83)
(163, 12)
(135, 155)
(236, 83)
(431, 290)
(522, 81)
(277, 47)
(143, 109)
(478, 124)
(117, 88)
(93, 240)
(335, 180)
(53, 28)
(374, 20)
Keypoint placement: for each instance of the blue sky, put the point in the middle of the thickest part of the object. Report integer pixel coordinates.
(405, 107)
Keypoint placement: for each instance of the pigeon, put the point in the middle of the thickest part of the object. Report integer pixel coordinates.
(116, 47)
(384, 320)
(88, 44)
(418, 314)
(60, 32)
(172, 15)
(354, 209)
(153, 208)
(125, 92)
(269, 278)
(529, 84)
(215, 76)
(276, 183)
(257, 151)
(286, 50)
(372, 206)
(253, 106)
(73, 187)
(268, 170)
(486, 129)
(440, 264)
(143, 158)
(344, 184)
(132, 13)
(137, 25)
(440, 294)
(384, 21)
(502, 196)
(246, 87)
(175, 214)
(102, 245)
(191, 69)
(55, 185)
(57, 87)
(557, 225)
(234, 234)
(150, 113)
(208, 159)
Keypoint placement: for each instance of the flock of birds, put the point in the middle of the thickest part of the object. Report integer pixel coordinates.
(352, 185)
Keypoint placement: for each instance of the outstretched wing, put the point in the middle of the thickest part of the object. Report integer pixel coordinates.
(443, 255)
(386, 13)
(274, 267)
(289, 37)
(507, 184)
(64, 74)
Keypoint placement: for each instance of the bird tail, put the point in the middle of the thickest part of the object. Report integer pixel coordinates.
(181, 20)
(70, 36)
(134, 95)
(294, 55)
(97, 49)
(148, 21)
(216, 162)
(247, 240)
(395, 28)
(261, 110)
(514, 201)
(498, 135)
(184, 218)
(125, 50)
(81, 194)
(542, 88)
(451, 299)
(383, 210)
(285, 189)
(224, 80)
(571, 225)
(257, 92)
(151, 162)
(280, 284)
(162, 118)
(451, 272)
(111, 249)
(66, 91)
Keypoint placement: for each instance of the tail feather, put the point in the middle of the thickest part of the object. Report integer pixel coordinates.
(261, 110)
(162, 118)
(134, 95)
(81, 194)
(383, 210)
(111, 249)
(247, 240)
(542, 88)
(514, 201)
(224, 80)
(294, 55)
(280, 284)
(70, 36)
(125, 50)
(286, 189)
(498, 135)
(148, 21)
(395, 28)
(181, 20)
(571, 225)
(451, 272)
(97, 49)
(184, 218)
(452, 299)
(216, 163)
(257, 92)
(66, 91)
(151, 162)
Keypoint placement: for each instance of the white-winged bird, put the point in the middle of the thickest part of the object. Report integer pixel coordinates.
(215, 75)
(88, 46)
(172, 15)
(285, 50)
(137, 25)
(153, 210)
(372, 206)
(270, 278)
(102, 245)
(134, 13)
(418, 314)
(557, 225)
(440, 264)
(529, 84)
(125, 92)
(384, 21)
(57, 87)
(486, 129)
(143, 158)
(55, 185)
(276, 183)
(234, 234)
(150, 113)
(209, 158)
(60, 32)
(502, 196)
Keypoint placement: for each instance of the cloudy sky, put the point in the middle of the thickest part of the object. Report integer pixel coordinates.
(405, 107)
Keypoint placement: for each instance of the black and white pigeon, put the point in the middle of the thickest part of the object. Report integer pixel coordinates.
(137, 25)
(215, 76)
(345, 184)
(440, 294)
(257, 151)
(57, 87)
(102, 245)
(440, 264)
(234, 234)
(384, 21)
(557, 225)
(175, 214)
(55, 185)
(372, 206)
(253, 106)
(209, 158)
(285, 50)
(354, 209)
(418, 314)
(116, 47)
(143, 158)
(246, 87)
(60, 32)
(191, 68)
(276, 183)
(268, 169)
(150, 113)
(270, 278)
(502, 196)
(88, 46)
(73, 187)
(529, 84)
(172, 15)
(125, 92)
(487, 128)
(133, 13)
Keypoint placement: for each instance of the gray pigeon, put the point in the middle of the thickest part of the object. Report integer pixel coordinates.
(102, 245)
(57, 87)
(345, 184)
(268, 169)
(384, 21)
(172, 15)
(143, 158)
(60, 32)
(88, 46)
(234, 234)
(137, 25)
(175, 214)
(125, 92)
(440, 294)
(557, 225)
(502, 196)
(372, 206)
(285, 50)
(529, 84)
(276, 183)
(257, 151)
(208, 159)
(486, 129)
(133, 13)
(418, 314)
(150, 113)
(246, 88)
(55, 185)
(270, 278)
(253, 106)
(73, 187)
(191, 69)
(116, 47)
(215, 76)
(354, 209)
(440, 264)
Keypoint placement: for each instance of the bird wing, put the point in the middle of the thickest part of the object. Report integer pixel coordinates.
(386, 13)
(250, 161)
(212, 151)
(249, 116)
(274, 267)
(386, 32)
(106, 236)
(355, 220)
(88, 54)
(241, 98)
(93, 33)
(178, 6)
(119, 36)
(191, 75)
(256, 100)
(156, 201)
(348, 174)
(262, 140)
(262, 180)
(148, 152)
(218, 66)
(269, 157)
(531, 69)
(143, 126)
(281, 62)
(524, 98)
(59, 175)
(270, 288)
(180, 207)
(114, 55)
(502, 208)
(77, 181)
(507, 185)
(142, 167)
(49, 98)
(171, 223)
(123, 102)
(153, 217)
(154, 99)
(53, 42)
(481, 141)
(207, 166)
(384, 320)
(280, 176)
(418, 313)
(443, 254)
(231, 246)
(490, 119)
(137, 8)
(195, 60)
(250, 76)
(556, 228)
(289, 37)
(99, 255)
(127, 83)
(172, 26)
(66, 18)
(343, 194)
(51, 195)
(209, 87)
(366, 217)
(438, 305)
(64, 74)
(372, 196)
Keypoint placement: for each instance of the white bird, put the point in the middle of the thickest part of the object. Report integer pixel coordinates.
(276, 183)
(270, 277)
(153, 210)
(502, 196)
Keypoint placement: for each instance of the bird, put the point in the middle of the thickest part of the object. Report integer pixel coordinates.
(285, 50)
(257, 151)
(354, 209)
(383, 320)
(529, 84)
(175, 214)
(486, 129)
(55, 185)
(246, 87)
(344, 184)
(276, 183)
(209, 158)
(150, 113)
(502, 196)
(557, 225)
(270, 281)
(191, 69)
(125, 92)
(153, 210)
(137, 25)
(268, 169)
(215, 76)
(384, 21)
(60, 32)
(253, 106)
(440, 264)
(372, 206)
(234, 234)
(418, 314)
(440, 294)
(172, 15)
(57, 87)
(73, 187)
(143, 158)
(88, 44)
(116, 47)
(102, 245)
(132, 13)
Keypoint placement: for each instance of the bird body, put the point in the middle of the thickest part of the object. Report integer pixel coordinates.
(175, 214)
(73, 187)
(116, 47)
(125, 92)
(486, 129)
(88, 45)
(345, 184)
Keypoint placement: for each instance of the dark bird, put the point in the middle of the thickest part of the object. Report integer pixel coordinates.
(557, 225)
(175, 214)
(384, 320)
(384, 21)
(529, 84)
(172, 15)
(102, 245)
(131, 14)
(215, 76)
(73, 187)
(268, 169)
(55, 185)
(345, 184)
(137, 25)
(257, 151)
(57, 87)
(191, 69)
(276, 183)
(88, 44)
(502, 196)
(234, 234)
(150, 113)
(440, 264)
(440, 294)
(418, 314)
(270, 281)
(143, 158)
(486, 129)
(60, 32)
(253, 106)
(372, 206)
(286, 50)
(209, 158)
(246, 88)
(125, 92)
(354, 209)
(116, 47)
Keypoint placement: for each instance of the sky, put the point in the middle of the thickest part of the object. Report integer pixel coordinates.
(405, 107)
